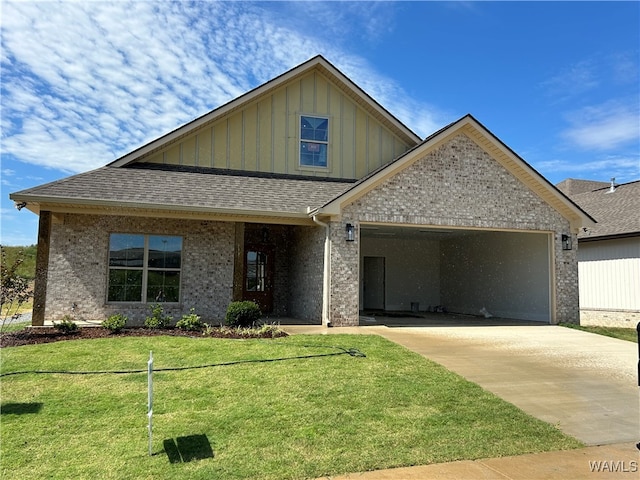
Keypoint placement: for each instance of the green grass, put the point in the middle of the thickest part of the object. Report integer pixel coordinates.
(290, 419)
(14, 327)
(630, 334)
(28, 267)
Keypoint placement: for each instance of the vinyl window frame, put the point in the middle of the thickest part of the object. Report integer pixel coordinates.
(145, 269)
(324, 143)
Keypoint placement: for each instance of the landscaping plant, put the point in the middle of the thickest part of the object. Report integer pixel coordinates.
(158, 319)
(190, 322)
(115, 323)
(66, 325)
(242, 314)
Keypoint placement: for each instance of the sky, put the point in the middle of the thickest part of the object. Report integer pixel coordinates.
(85, 82)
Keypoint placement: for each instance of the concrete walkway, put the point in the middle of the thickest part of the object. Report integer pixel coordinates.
(583, 383)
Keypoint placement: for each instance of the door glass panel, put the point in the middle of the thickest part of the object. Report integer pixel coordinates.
(256, 271)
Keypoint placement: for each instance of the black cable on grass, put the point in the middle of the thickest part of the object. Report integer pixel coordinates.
(352, 352)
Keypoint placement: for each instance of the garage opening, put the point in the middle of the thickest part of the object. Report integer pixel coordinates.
(474, 273)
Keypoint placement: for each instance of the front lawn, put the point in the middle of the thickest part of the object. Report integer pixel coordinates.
(629, 334)
(285, 419)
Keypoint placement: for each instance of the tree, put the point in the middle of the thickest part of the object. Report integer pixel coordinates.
(15, 289)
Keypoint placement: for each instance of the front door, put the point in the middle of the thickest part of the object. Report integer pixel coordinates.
(258, 276)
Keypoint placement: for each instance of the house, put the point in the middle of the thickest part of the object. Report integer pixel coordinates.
(609, 253)
(310, 198)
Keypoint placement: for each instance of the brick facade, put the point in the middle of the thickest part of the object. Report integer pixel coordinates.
(456, 185)
(79, 256)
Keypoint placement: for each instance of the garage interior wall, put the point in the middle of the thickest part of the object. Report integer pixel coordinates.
(506, 273)
(412, 271)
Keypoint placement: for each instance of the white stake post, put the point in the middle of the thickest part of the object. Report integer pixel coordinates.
(150, 400)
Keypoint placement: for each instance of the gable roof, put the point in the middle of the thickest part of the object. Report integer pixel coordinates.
(186, 192)
(318, 63)
(490, 144)
(616, 211)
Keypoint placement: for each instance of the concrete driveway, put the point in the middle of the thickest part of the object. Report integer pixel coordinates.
(585, 384)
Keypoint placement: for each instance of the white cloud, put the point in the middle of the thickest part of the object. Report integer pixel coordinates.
(573, 81)
(624, 168)
(86, 82)
(604, 127)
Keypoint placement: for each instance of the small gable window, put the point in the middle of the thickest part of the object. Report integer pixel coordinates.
(314, 139)
(144, 268)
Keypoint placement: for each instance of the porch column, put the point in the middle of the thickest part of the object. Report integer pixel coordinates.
(42, 269)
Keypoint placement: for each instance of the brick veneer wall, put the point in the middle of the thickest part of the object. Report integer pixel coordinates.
(79, 256)
(456, 185)
(307, 270)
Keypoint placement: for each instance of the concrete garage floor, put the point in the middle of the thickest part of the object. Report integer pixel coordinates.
(432, 319)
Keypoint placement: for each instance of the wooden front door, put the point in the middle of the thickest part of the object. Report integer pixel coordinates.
(258, 276)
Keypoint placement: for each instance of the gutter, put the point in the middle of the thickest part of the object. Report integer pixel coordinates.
(326, 320)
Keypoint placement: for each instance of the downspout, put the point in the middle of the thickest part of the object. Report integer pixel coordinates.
(326, 321)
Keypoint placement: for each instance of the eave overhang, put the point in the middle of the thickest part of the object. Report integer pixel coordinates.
(36, 204)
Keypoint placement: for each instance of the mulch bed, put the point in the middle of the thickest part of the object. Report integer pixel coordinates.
(38, 335)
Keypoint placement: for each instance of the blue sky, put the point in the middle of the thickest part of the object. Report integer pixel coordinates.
(84, 83)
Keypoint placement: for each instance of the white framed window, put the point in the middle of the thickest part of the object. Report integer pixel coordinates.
(144, 268)
(314, 141)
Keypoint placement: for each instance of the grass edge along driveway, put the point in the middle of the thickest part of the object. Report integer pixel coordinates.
(286, 419)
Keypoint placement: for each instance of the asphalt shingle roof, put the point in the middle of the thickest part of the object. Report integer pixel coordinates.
(161, 186)
(617, 212)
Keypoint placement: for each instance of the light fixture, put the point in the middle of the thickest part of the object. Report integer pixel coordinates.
(566, 242)
(350, 232)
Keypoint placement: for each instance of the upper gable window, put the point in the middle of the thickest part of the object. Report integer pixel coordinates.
(314, 139)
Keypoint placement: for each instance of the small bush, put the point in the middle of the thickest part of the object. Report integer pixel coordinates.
(115, 323)
(242, 314)
(190, 322)
(66, 325)
(157, 319)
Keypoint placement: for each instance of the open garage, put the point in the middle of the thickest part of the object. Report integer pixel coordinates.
(504, 274)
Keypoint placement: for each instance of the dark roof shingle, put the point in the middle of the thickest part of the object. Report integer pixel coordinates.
(617, 212)
(167, 187)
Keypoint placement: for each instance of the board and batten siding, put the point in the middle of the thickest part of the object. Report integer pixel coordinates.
(609, 274)
(263, 136)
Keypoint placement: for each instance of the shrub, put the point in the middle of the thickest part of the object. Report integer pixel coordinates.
(66, 325)
(115, 323)
(157, 319)
(242, 314)
(190, 322)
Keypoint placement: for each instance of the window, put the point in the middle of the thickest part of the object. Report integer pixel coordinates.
(314, 139)
(144, 268)
(256, 271)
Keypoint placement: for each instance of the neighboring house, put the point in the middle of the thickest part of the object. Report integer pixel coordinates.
(310, 198)
(609, 253)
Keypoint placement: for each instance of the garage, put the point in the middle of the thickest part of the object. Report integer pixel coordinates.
(419, 270)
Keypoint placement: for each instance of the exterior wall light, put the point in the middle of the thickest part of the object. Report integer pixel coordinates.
(566, 242)
(350, 232)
